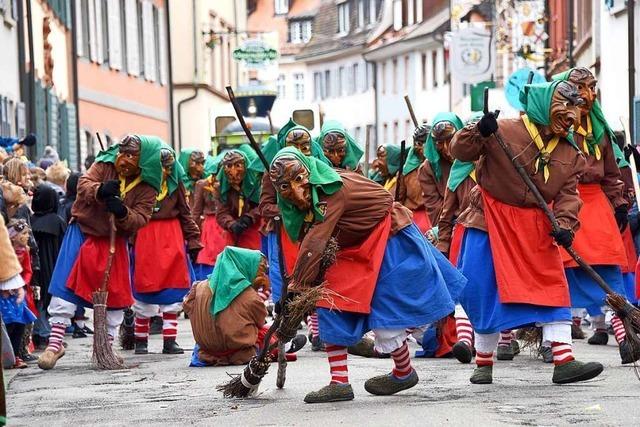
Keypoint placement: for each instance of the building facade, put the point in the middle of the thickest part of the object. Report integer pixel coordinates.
(204, 34)
(123, 71)
(12, 110)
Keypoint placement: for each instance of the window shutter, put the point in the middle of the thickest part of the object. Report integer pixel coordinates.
(52, 118)
(115, 43)
(97, 32)
(21, 120)
(68, 136)
(163, 46)
(133, 55)
(148, 41)
(41, 117)
(93, 47)
(78, 25)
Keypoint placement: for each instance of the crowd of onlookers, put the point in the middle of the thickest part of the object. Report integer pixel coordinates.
(35, 205)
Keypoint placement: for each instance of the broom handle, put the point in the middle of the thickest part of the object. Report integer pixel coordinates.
(247, 132)
(112, 251)
(543, 204)
(403, 158)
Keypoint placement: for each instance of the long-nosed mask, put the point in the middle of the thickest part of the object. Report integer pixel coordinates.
(334, 146)
(565, 109)
(291, 180)
(234, 168)
(127, 162)
(300, 139)
(196, 165)
(585, 83)
(442, 133)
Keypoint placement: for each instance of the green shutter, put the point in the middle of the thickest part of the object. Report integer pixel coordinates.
(41, 117)
(70, 141)
(52, 118)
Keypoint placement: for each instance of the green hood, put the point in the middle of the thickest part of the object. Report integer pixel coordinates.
(353, 153)
(150, 166)
(412, 163)
(536, 101)
(393, 163)
(430, 151)
(177, 174)
(212, 164)
(236, 269)
(461, 170)
(250, 184)
(277, 143)
(183, 159)
(322, 177)
(599, 124)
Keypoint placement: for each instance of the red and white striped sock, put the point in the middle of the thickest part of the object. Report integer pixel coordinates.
(337, 355)
(618, 329)
(313, 324)
(484, 359)
(141, 329)
(55, 339)
(464, 330)
(401, 361)
(169, 326)
(577, 321)
(562, 353)
(505, 338)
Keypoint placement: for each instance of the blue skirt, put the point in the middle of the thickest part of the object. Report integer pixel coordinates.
(73, 239)
(414, 287)
(585, 293)
(202, 271)
(15, 313)
(480, 297)
(275, 277)
(630, 287)
(165, 296)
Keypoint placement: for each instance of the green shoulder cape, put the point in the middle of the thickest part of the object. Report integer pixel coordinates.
(236, 269)
(430, 150)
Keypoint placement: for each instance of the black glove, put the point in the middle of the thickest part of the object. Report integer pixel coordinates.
(246, 220)
(193, 254)
(630, 151)
(278, 307)
(109, 189)
(488, 124)
(238, 228)
(622, 217)
(421, 132)
(116, 207)
(563, 237)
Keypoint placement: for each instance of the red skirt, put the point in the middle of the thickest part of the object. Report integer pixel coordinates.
(630, 250)
(213, 238)
(87, 273)
(250, 239)
(598, 241)
(527, 262)
(421, 219)
(447, 336)
(456, 243)
(160, 257)
(354, 275)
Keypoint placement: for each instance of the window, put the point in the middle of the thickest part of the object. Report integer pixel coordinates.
(85, 29)
(384, 78)
(409, 11)
(419, 11)
(327, 84)
(281, 6)
(582, 21)
(434, 67)
(407, 131)
(395, 132)
(156, 44)
(397, 15)
(356, 133)
(142, 53)
(298, 86)
(341, 81)
(406, 73)
(369, 76)
(361, 13)
(105, 32)
(280, 86)
(424, 71)
(123, 35)
(372, 11)
(385, 133)
(394, 75)
(306, 31)
(317, 86)
(354, 78)
(343, 18)
(295, 32)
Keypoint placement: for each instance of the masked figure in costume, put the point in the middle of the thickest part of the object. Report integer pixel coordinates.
(162, 273)
(522, 282)
(371, 288)
(192, 161)
(339, 147)
(124, 182)
(434, 173)
(604, 214)
(297, 136)
(237, 204)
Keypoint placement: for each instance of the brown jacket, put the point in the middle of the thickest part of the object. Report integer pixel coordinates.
(203, 200)
(91, 213)
(455, 202)
(496, 175)
(227, 213)
(230, 337)
(268, 206)
(9, 266)
(175, 206)
(432, 189)
(411, 191)
(604, 171)
(352, 213)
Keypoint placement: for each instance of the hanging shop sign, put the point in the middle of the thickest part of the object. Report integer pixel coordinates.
(255, 53)
(472, 55)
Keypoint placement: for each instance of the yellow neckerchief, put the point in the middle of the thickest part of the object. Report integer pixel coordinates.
(544, 155)
(164, 189)
(472, 175)
(240, 204)
(209, 187)
(388, 185)
(587, 135)
(309, 217)
(124, 189)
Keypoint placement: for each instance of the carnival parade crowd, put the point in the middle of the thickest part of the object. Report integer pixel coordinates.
(444, 245)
